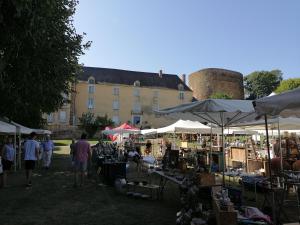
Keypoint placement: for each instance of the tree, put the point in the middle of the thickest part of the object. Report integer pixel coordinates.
(39, 50)
(262, 83)
(287, 85)
(92, 124)
(220, 95)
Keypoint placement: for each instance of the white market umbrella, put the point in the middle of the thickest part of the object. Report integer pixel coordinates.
(286, 104)
(221, 112)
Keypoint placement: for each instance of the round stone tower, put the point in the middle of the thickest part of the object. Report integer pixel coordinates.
(206, 82)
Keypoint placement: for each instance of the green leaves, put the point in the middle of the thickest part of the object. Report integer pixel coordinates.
(39, 50)
(220, 95)
(261, 83)
(92, 124)
(287, 85)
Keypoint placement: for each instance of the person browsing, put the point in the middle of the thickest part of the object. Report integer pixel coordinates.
(31, 148)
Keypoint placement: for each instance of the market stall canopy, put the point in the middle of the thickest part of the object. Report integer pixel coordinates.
(23, 129)
(6, 128)
(186, 126)
(148, 131)
(124, 128)
(286, 104)
(289, 123)
(222, 112)
(41, 131)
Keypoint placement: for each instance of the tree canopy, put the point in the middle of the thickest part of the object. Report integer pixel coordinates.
(262, 83)
(287, 85)
(39, 50)
(92, 124)
(220, 95)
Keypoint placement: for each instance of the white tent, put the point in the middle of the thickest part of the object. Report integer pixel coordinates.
(121, 131)
(185, 126)
(148, 131)
(22, 129)
(7, 128)
(41, 131)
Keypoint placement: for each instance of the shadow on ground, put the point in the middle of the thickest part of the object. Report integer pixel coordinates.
(53, 200)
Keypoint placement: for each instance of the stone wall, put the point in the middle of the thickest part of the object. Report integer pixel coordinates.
(206, 82)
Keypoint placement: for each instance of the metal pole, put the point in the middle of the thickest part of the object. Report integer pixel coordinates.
(210, 157)
(20, 148)
(268, 149)
(270, 172)
(223, 149)
(280, 149)
(15, 147)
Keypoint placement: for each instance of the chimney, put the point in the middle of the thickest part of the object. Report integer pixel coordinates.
(183, 78)
(160, 74)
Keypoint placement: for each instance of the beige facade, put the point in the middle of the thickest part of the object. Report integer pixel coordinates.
(124, 103)
(133, 101)
(59, 120)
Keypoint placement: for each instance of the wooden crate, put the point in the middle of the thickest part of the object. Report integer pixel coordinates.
(224, 217)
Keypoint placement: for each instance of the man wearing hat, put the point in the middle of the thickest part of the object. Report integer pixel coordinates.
(48, 148)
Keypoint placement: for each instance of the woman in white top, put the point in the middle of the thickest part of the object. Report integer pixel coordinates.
(8, 156)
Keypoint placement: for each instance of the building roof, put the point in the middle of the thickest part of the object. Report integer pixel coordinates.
(116, 76)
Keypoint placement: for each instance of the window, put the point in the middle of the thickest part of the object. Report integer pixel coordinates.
(116, 91)
(181, 95)
(155, 105)
(91, 89)
(50, 118)
(136, 120)
(90, 103)
(63, 116)
(91, 80)
(137, 107)
(136, 92)
(115, 119)
(116, 105)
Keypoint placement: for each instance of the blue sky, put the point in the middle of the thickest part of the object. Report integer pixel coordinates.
(183, 36)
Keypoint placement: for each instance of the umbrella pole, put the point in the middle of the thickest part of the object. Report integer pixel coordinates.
(210, 157)
(15, 147)
(280, 149)
(270, 172)
(19, 149)
(223, 149)
(268, 149)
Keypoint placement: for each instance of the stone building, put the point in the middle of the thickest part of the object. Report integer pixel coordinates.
(206, 82)
(123, 96)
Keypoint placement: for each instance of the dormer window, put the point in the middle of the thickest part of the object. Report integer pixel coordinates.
(137, 83)
(180, 87)
(91, 80)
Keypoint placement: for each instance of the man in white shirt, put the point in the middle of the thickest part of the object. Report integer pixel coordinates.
(48, 147)
(31, 148)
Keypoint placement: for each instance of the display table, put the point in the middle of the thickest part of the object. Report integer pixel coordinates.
(152, 188)
(112, 170)
(165, 177)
